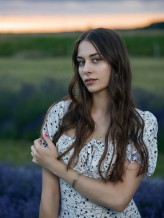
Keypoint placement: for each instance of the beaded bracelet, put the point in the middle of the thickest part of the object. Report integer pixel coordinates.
(76, 179)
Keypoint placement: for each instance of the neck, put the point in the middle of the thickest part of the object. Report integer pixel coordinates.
(100, 104)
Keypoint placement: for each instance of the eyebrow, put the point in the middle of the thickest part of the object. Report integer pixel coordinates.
(91, 55)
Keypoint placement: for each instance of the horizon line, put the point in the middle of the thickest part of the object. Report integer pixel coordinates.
(55, 24)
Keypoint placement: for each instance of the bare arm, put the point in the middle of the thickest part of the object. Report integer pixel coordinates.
(50, 197)
(111, 195)
(115, 195)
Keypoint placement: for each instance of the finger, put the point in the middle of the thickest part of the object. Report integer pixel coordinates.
(37, 141)
(34, 151)
(34, 154)
(47, 139)
(34, 160)
(33, 148)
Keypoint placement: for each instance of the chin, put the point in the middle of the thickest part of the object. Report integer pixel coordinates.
(94, 90)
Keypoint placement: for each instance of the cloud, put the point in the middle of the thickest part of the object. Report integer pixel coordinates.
(79, 7)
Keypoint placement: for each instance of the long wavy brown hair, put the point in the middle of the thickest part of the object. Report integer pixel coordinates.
(126, 125)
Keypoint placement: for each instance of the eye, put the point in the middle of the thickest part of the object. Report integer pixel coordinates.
(80, 62)
(96, 60)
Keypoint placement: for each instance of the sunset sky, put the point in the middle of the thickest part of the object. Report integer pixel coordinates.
(65, 15)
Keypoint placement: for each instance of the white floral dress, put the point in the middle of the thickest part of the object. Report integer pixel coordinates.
(73, 204)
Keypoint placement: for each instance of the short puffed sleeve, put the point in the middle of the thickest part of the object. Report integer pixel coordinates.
(150, 140)
(53, 119)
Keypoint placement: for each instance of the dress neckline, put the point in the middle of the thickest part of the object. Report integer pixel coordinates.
(92, 140)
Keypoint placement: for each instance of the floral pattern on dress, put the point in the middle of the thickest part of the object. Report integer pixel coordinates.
(73, 204)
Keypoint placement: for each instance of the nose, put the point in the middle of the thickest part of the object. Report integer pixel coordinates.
(86, 68)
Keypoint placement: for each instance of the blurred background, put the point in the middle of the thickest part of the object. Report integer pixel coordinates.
(36, 42)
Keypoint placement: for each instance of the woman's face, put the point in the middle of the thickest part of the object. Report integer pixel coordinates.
(93, 69)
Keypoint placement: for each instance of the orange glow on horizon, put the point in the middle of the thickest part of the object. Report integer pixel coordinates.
(43, 24)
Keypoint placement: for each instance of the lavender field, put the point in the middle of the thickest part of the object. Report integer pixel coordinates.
(20, 189)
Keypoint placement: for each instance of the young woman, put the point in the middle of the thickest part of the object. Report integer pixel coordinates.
(97, 145)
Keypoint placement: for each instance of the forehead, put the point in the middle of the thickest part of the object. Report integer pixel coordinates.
(86, 49)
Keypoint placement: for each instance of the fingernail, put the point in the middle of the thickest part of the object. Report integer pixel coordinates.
(46, 135)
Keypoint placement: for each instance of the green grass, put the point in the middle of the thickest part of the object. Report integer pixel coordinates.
(15, 151)
(147, 72)
(160, 166)
(18, 152)
(16, 71)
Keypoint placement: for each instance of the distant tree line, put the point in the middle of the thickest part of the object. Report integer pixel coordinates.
(139, 43)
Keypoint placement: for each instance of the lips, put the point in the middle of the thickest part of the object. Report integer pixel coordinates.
(89, 80)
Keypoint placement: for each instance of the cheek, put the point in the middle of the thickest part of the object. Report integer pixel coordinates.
(107, 74)
(80, 73)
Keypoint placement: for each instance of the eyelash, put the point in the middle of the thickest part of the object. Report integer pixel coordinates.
(80, 63)
(94, 60)
(97, 60)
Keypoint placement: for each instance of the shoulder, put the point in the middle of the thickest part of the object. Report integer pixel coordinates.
(56, 111)
(54, 117)
(148, 118)
(150, 140)
(59, 108)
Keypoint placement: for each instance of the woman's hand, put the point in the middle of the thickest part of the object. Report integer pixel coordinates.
(46, 157)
